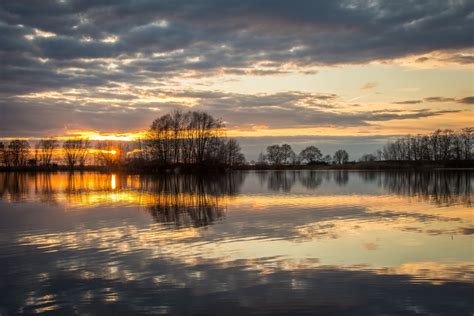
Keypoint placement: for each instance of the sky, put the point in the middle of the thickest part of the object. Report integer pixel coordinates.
(336, 74)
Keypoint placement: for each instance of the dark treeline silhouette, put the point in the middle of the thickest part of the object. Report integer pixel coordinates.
(455, 148)
(437, 146)
(191, 138)
(173, 140)
(283, 155)
(195, 140)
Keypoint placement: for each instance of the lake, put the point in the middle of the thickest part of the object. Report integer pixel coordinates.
(271, 242)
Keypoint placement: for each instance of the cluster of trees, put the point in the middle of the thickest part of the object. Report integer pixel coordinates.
(190, 138)
(16, 153)
(173, 139)
(278, 155)
(19, 153)
(437, 146)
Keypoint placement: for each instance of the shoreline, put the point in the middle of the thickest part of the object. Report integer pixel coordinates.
(184, 169)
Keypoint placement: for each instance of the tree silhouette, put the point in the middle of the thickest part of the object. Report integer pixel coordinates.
(341, 156)
(310, 154)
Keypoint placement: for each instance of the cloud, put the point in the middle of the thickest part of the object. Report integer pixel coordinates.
(161, 40)
(369, 85)
(466, 100)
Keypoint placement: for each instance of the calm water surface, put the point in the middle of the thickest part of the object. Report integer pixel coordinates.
(293, 242)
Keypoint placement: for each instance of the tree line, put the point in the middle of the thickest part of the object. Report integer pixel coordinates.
(197, 138)
(280, 155)
(440, 145)
(178, 138)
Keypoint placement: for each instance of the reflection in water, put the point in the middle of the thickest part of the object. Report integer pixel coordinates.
(440, 187)
(190, 200)
(183, 200)
(302, 242)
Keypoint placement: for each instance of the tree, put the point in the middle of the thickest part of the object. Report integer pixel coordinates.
(18, 151)
(439, 145)
(327, 159)
(108, 153)
(4, 155)
(46, 148)
(233, 154)
(191, 138)
(262, 159)
(311, 154)
(341, 156)
(75, 152)
(274, 155)
(287, 154)
(368, 157)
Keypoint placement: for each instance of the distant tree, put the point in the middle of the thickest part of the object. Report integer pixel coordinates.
(288, 156)
(107, 153)
(262, 159)
(45, 151)
(341, 156)
(368, 157)
(327, 159)
(4, 157)
(310, 154)
(18, 151)
(233, 154)
(378, 154)
(75, 152)
(274, 155)
(439, 145)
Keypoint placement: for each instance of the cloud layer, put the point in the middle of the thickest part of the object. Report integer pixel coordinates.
(111, 65)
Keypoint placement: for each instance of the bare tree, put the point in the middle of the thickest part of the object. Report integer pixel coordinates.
(311, 154)
(288, 156)
(191, 137)
(4, 154)
(273, 155)
(18, 152)
(341, 156)
(108, 153)
(327, 159)
(46, 148)
(439, 145)
(233, 153)
(75, 152)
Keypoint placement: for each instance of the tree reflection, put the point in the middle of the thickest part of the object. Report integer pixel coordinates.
(13, 186)
(443, 188)
(189, 200)
(183, 200)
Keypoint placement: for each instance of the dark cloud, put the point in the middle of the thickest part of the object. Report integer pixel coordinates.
(166, 38)
(115, 51)
(467, 100)
(408, 102)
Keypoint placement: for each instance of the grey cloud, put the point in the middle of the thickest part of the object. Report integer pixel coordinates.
(232, 36)
(467, 100)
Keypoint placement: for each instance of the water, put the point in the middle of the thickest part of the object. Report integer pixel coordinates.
(294, 242)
